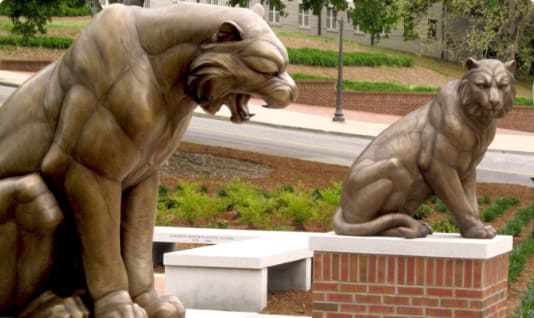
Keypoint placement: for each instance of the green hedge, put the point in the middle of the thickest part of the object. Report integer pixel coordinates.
(523, 101)
(386, 87)
(315, 57)
(37, 41)
(60, 11)
(368, 86)
(66, 11)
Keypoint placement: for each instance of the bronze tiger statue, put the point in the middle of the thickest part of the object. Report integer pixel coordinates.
(434, 150)
(82, 142)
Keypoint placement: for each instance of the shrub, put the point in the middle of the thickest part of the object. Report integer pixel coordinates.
(441, 207)
(325, 203)
(67, 11)
(385, 87)
(253, 205)
(323, 212)
(163, 190)
(523, 101)
(237, 193)
(40, 41)
(485, 200)
(255, 211)
(444, 226)
(526, 307)
(191, 204)
(491, 213)
(295, 207)
(501, 205)
(422, 212)
(330, 195)
(507, 202)
(519, 258)
(316, 57)
(518, 222)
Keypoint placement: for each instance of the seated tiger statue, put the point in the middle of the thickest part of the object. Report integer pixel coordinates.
(433, 150)
(83, 140)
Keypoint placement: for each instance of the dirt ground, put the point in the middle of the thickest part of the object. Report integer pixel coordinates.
(205, 164)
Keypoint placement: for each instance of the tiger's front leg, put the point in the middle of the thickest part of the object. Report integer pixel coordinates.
(138, 213)
(95, 202)
(482, 230)
(460, 199)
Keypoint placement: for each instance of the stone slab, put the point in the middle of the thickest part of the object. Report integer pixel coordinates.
(214, 236)
(436, 245)
(251, 254)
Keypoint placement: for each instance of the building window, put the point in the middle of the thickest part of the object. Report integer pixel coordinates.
(304, 17)
(213, 2)
(432, 29)
(274, 14)
(331, 19)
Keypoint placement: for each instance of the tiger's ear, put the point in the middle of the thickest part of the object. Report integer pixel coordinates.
(258, 9)
(471, 63)
(228, 31)
(510, 66)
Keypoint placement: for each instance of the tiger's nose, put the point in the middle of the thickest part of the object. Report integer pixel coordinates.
(281, 94)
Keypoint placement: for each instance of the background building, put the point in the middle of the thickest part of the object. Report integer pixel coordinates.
(326, 24)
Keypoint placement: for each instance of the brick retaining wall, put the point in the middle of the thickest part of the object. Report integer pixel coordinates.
(323, 93)
(360, 285)
(442, 275)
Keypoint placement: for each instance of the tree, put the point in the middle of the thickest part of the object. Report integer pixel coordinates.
(375, 17)
(29, 17)
(478, 28)
(316, 6)
(95, 7)
(276, 4)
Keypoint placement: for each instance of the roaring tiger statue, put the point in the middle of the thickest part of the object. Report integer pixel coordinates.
(434, 150)
(82, 142)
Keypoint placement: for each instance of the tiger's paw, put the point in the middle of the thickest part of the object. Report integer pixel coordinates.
(49, 305)
(161, 307)
(481, 232)
(118, 304)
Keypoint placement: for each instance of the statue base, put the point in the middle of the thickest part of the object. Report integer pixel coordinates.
(442, 275)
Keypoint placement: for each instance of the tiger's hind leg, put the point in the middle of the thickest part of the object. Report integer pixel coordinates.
(29, 217)
(373, 196)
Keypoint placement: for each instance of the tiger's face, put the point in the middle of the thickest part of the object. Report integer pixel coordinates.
(236, 66)
(486, 90)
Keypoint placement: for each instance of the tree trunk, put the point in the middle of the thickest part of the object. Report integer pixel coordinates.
(372, 39)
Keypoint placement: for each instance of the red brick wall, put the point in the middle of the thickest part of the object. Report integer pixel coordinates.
(323, 93)
(316, 93)
(357, 285)
(23, 66)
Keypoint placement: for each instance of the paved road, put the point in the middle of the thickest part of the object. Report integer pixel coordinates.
(495, 167)
(327, 148)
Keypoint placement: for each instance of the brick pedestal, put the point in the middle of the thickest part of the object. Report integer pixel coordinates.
(442, 275)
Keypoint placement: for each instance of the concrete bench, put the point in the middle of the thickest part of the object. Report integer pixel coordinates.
(170, 234)
(237, 276)
(165, 238)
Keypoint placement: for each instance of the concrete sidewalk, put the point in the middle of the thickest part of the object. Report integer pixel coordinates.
(317, 118)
